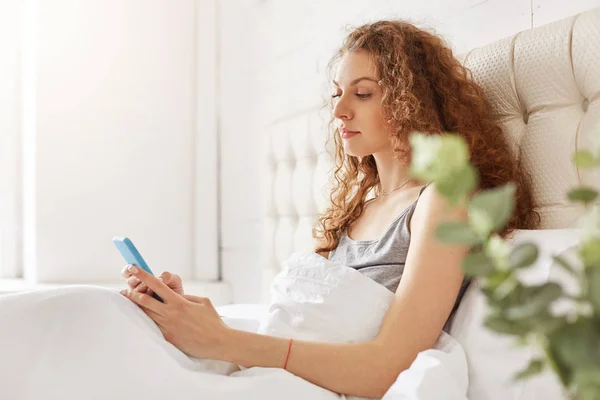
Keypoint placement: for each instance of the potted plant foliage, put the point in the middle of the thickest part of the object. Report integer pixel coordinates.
(569, 343)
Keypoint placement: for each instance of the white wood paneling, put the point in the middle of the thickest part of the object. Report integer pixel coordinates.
(240, 233)
(240, 94)
(241, 271)
(11, 27)
(484, 22)
(546, 11)
(206, 184)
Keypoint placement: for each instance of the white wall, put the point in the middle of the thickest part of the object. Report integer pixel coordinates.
(107, 99)
(273, 55)
(113, 135)
(10, 22)
(239, 101)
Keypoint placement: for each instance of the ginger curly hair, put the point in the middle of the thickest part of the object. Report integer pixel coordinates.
(425, 89)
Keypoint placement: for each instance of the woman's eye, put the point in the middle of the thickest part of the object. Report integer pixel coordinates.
(360, 95)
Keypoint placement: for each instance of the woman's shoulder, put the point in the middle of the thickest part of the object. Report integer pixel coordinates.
(433, 208)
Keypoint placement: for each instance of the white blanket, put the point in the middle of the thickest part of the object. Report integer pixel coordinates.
(89, 342)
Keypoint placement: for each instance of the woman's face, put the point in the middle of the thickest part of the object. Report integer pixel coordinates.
(357, 99)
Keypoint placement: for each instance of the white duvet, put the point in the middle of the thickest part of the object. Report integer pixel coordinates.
(87, 342)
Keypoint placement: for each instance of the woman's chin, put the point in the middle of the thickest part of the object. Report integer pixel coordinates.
(354, 152)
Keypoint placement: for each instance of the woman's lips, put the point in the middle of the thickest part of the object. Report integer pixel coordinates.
(349, 134)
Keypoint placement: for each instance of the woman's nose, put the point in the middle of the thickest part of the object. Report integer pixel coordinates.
(341, 110)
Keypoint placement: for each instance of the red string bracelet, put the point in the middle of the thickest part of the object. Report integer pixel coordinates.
(288, 354)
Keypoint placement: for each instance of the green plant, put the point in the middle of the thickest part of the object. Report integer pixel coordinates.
(569, 344)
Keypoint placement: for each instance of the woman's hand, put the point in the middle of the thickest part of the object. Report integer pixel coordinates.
(171, 280)
(190, 323)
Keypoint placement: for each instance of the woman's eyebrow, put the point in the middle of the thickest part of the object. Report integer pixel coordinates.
(355, 81)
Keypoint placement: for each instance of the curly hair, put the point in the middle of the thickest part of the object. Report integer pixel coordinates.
(425, 89)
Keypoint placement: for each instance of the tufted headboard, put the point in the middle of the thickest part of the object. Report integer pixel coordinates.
(544, 85)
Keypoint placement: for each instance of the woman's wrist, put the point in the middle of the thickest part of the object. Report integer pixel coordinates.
(228, 344)
(218, 346)
(252, 349)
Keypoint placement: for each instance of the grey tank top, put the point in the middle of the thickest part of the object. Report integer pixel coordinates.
(383, 259)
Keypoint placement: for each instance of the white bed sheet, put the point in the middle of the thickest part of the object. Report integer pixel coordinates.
(89, 342)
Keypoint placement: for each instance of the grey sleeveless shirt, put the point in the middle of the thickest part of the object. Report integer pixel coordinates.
(383, 259)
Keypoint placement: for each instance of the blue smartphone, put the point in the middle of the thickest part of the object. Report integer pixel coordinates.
(133, 256)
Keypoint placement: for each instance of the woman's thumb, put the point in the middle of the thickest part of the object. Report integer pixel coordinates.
(165, 277)
(171, 280)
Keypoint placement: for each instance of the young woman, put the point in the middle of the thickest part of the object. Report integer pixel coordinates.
(391, 79)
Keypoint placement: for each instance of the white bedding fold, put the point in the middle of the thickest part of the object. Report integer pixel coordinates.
(438, 373)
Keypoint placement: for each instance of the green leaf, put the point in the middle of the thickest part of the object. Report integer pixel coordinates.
(593, 289)
(505, 289)
(561, 262)
(577, 344)
(443, 159)
(490, 210)
(546, 323)
(587, 383)
(478, 264)
(540, 297)
(499, 250)
(533, 302)
(560, 368)
(530, 303)
(523, 255)
(535, 367)
(585, 159)
(424, 150)
(590, 220)
(453, 153)
(456, 232)
(455, 187)
(582, 194)
(498, 323)
(589, 252)
(435, 157)
(506, 297)
(496, 279)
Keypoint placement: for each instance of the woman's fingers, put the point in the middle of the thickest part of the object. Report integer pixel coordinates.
(157, 285)
(167, 278)
(125, 272)
(137, 285)
(173, 281)
(133, 282)
(148, 302)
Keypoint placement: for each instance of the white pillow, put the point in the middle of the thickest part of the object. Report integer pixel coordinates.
(245, 317)
(438, 373)
(494, 359)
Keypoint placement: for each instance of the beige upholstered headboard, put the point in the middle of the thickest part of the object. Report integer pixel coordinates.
(544, 85)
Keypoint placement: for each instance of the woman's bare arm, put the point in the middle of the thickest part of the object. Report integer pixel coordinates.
(421, 305)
